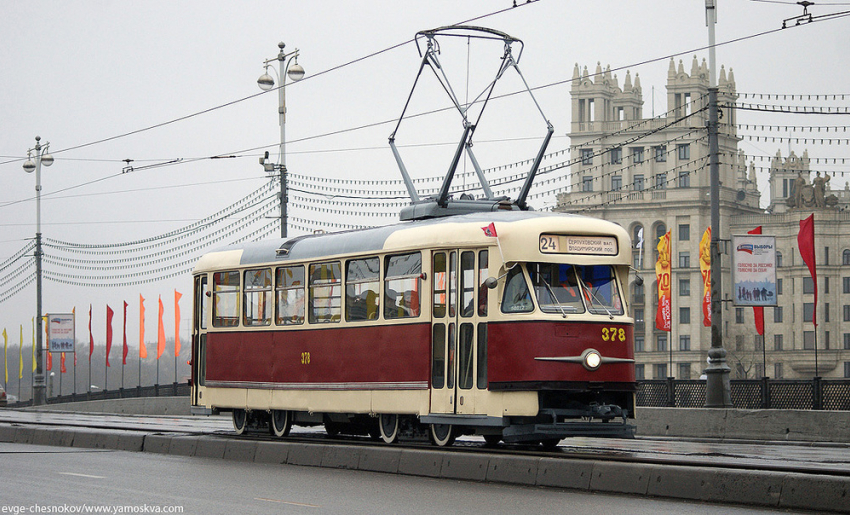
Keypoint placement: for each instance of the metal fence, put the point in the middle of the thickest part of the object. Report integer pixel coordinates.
(157, 390)
(765, 393)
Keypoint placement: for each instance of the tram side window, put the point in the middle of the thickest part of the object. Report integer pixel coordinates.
(482, 357)
(482, 276)
(467, 283)
(257, 304)
(465, 357)
(226, 299)
(438, 356)
(325, 292)
(362, 289)
(203, 302)
(439, 280)
(517, 298)
(289, 293)
(402, 283)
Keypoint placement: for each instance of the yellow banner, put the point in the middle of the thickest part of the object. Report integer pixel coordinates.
(662, 275)
(705, 269)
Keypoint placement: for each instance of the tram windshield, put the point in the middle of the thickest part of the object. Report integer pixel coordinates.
(561, 288)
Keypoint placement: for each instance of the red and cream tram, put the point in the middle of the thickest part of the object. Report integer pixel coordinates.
(510, 324)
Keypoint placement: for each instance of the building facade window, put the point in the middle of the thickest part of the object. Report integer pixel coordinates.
(684, 259)
(684, 315)
(661, 342)
(846, 341)
(847, 369)
(777, 371)
(684, 370)
(637, 155)
(661, 181)
(808, 340)
(660, 153)
(777, 342)
(845, 257)
(684, 287)
(640, 374)
(684, 151)
(845, 281)
(660, 370)
(586, 156)
(739, 315)
(639, 316)
(587, 183)
(808, 285)
(616, 183)
(639, 183)
(779, 286)
(808, 311)
(616, 156)
(684, 179)
(684, 342)
(777, 314)
(684, 232)
(639, 345)
(778, 259)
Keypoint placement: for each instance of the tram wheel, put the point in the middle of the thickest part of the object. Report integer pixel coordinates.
(550, 443)
(388, 426)
(492, 440)
(280, 423)
(442, 435)
(240, 420)
(332, 428)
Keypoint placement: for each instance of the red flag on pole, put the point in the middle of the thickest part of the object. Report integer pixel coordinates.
(160, 337)
(177, 297)
(758, 311)
(143, 351)
(62, 369)
(47, 344)
(126, 349)
(91, 338)
(109, 314)
(490, 230)
(806, 243)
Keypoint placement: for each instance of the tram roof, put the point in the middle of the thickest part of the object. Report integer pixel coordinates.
(459, 230)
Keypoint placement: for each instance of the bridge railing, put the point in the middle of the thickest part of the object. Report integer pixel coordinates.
(157, 390)
(803, 394)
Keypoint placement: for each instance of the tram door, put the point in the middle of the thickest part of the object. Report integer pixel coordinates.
(458, 330)
(199, 337)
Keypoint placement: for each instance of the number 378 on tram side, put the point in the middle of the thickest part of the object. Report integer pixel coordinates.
(509, 325)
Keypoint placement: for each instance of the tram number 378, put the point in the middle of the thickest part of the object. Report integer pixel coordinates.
(613, 334)
(305, 358)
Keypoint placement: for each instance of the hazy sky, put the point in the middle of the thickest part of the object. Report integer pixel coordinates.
(77, 72)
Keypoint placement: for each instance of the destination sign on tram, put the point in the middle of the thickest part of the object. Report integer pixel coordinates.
(569, 244)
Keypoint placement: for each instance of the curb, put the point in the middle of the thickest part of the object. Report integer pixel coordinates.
(782, 490)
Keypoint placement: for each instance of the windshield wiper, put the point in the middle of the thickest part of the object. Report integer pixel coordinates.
(552, 294)
(594, 298)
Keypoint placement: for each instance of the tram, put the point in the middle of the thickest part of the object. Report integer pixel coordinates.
(509, 324)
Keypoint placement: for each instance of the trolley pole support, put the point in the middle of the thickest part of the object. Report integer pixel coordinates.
(718, 388)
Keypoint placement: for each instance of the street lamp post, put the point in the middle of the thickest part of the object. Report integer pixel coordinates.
(266, 82)
(41, 157)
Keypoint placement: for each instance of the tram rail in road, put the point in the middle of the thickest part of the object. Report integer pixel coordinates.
(776, 474)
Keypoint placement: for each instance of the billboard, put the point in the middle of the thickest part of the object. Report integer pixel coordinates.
(60, 332)
(754, 270)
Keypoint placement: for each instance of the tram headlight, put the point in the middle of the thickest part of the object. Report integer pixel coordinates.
(591, 359)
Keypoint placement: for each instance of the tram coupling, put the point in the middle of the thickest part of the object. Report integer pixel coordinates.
(596, 420)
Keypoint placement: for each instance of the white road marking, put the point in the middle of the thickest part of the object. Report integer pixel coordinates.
(81, 475)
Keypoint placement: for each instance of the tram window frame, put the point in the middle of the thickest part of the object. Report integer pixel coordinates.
(330, 288)
(517, 296)
(439, 277)
(483, 291)
(481, 366)
(203, 302)
(438, 356)
(226, 298)
(565, 288)
(257, 292)
(362, 289)
(290, 291)
(467, 283)
(403, 286)
(466, 359)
